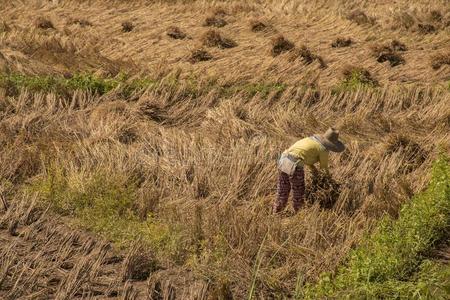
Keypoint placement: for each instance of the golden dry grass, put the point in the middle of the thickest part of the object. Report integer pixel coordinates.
(205, 161)
(315, 25)
(220, 156)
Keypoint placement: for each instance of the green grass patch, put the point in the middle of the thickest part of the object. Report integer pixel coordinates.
(252, 89)
(386, 262)
(105, 204)
(83, 81)
(38, 83)
(354, 79)
(431, 281)
(188, 87)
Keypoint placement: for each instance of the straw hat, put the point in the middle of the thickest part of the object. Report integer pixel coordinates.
(330, 140)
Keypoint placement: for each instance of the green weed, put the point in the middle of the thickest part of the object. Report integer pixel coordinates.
(13, 82)
(104, 204)
(355, 78)
(252, 89)
(396, 250)
(189, 87)
(89, 82)
(83, 81)
(432, 281)
(264, 89)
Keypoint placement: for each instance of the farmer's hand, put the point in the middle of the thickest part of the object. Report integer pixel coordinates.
(325, 173)
(322, 173)
(323, 176)
(314, 171)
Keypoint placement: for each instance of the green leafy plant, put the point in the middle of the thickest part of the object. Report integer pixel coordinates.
(355, 78)
(396, 250)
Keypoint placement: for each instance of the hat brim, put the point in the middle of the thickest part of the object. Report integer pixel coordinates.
(334, 147)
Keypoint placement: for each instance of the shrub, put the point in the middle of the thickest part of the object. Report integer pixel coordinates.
(430, 282)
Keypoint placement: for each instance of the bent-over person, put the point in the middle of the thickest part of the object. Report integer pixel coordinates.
(305, 152)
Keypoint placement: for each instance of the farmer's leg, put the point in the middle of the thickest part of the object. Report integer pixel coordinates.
(298, 188)
(283, 190)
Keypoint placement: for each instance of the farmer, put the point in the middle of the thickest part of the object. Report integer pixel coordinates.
(307, 152)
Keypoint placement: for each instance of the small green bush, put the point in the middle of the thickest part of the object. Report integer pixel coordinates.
(355, 78)
(395, 251)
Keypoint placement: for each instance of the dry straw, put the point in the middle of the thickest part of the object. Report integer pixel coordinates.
(196, 149)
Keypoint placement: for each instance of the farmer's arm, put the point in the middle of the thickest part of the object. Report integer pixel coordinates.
(323, 159)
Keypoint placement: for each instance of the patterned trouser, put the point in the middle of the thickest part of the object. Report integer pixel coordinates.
(297, 182)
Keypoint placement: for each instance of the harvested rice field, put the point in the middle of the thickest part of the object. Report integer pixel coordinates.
(139, 144)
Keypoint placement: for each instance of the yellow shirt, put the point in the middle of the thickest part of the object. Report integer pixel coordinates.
(310, 151)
